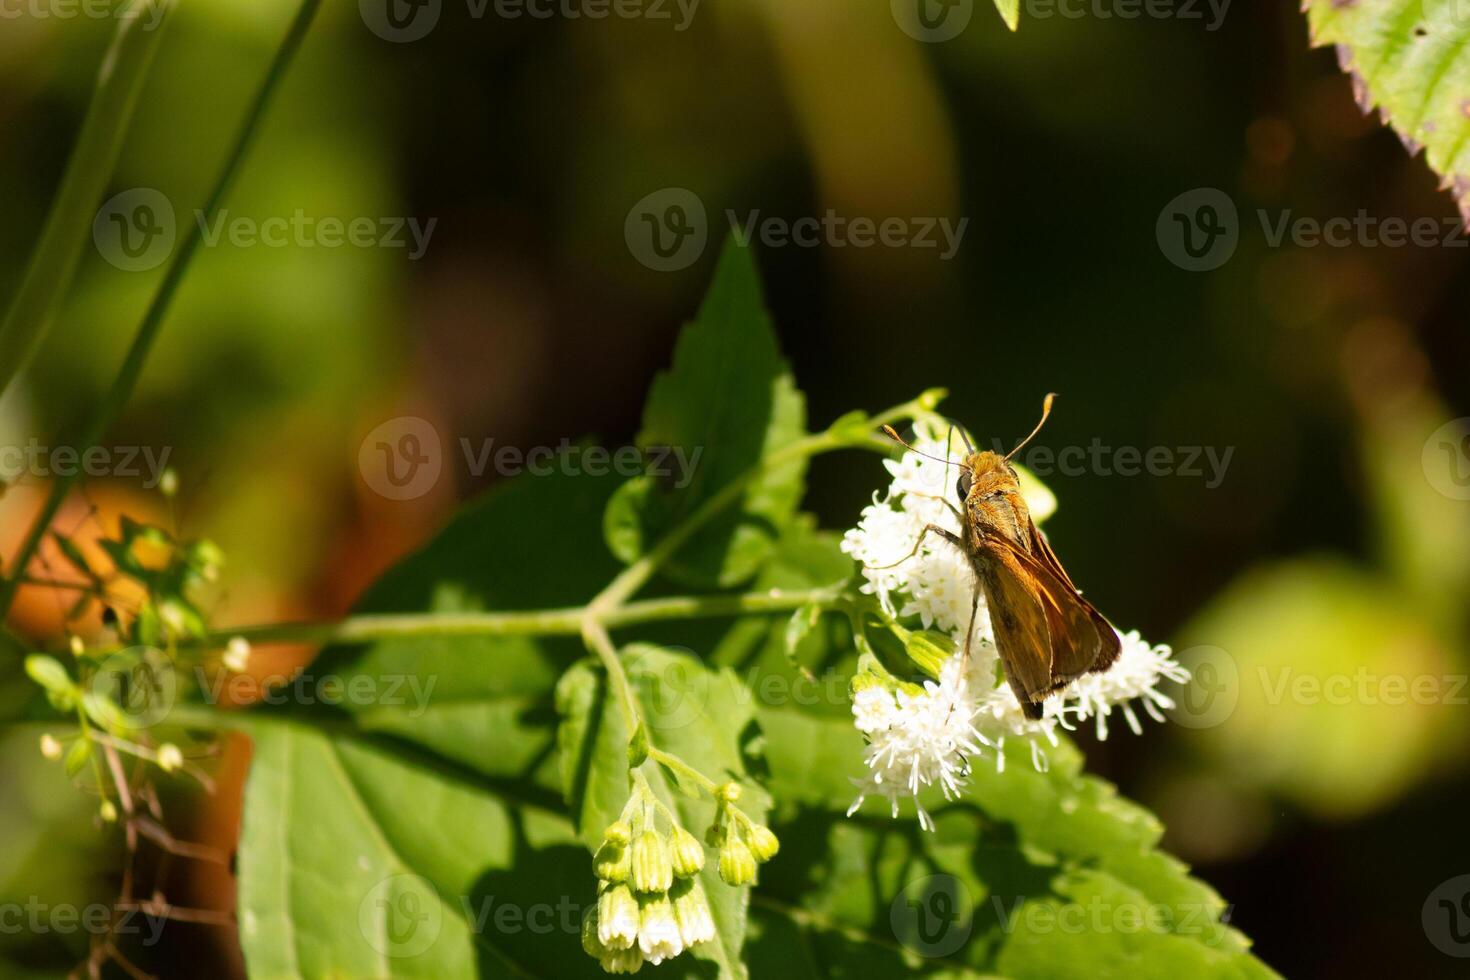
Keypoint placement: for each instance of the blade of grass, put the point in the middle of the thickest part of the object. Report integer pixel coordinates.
(69, 225)
(127, 377)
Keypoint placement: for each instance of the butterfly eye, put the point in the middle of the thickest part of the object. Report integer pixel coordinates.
(963, 486)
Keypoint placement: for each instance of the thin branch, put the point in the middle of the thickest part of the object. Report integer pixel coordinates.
(122, 387)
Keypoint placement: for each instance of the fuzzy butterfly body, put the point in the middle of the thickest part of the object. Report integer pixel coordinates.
(1046, 634)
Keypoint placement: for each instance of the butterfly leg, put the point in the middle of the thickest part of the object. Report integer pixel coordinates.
(970, 631)
(943, 532)
(943, 500)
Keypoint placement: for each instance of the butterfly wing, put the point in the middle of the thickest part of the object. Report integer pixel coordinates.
(1047, 635)
(1018, 620)
(1089, 642)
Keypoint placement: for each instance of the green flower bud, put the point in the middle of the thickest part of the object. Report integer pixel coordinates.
(651, 869)
(763, 843)
(737, 864)
(618, 833)
(685, 853)
(728, 793)
(617, 918)
(612, 862)
(623, 960)
(691, 911)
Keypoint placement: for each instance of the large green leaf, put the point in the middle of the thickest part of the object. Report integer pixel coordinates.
(701, 715)
(1411, 59)
(1047, 875)
(484, 701)
(729, 397)
(446, 768)
(361, 858)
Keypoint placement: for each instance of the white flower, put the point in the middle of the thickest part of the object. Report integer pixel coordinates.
(691, 911)
(658, 932)
(237, 655)
(928, 739)
(617, 917)
(918, 739)
(873, 709)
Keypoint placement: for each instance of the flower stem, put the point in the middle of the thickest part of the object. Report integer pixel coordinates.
(69, 223)
(127, 378)
(370, 627)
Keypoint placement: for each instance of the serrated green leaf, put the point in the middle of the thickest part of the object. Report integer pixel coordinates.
(729, 396)
(1410, 59)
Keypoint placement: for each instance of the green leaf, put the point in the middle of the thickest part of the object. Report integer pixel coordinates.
(78, 755)
(442, 766)
(1045, 875)
(48, 672)
(701, 715)
(1320, 681)
(1410, 59)
(483, 701)
(360, 858)
(730, 398)
(69, 224)
(1010, 12)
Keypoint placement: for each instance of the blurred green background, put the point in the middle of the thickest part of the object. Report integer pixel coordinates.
(1335, 546)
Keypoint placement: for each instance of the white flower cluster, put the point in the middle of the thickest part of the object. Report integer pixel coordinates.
(921, 737)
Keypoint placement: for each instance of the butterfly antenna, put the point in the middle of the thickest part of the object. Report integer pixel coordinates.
(899, 439)
(969, 446)
(1045, 413)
